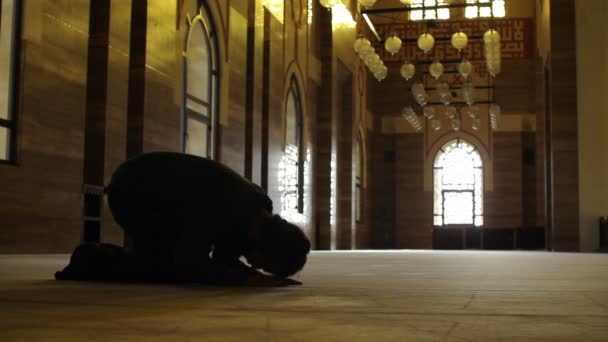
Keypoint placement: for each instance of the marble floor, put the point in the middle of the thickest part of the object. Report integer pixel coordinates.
(346, 296)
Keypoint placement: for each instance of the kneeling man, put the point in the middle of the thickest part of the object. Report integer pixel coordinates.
(191, 219)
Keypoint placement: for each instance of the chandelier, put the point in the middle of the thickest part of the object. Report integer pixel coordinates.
(432, 10)
(426, 42)
(432, 113)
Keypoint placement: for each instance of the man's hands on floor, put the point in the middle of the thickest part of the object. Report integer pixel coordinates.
(265, 280)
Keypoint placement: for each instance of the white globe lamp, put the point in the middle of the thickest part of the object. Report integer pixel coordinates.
(426, 42)
(407, 70)
(392, 44)
(436, 69)
(460, 40)
(465, 69)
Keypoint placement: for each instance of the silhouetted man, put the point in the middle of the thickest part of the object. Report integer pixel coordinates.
(190, 219)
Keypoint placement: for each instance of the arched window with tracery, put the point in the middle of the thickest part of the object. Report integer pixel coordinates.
(201, 85)
(291, 169)
(458, 185)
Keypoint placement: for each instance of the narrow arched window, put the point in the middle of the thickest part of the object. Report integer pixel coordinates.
(358, 178)
(201, 84)
(291, 169)
(458, 184)
(10, 14)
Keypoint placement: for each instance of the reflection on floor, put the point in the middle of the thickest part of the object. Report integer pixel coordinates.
(346, 296)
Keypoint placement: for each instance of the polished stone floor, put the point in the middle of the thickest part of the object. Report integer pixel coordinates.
(346, 296)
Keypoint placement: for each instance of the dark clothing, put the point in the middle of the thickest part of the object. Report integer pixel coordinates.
(177, 209)
(107, 262)
(170, 197)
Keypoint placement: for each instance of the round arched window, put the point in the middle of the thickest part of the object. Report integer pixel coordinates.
(458, 185)
(201, 84)
(291, 174)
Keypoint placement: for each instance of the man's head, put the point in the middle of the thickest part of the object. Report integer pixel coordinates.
(281, 248)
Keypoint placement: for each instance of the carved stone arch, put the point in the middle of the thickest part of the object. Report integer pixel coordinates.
(488, 173)
(294, 129)
(294, 72)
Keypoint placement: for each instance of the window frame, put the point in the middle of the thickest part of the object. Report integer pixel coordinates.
(473, 189)
(478, 5)
(11, 122)
(294, 90)
(423, 8)
(203, 19)
(443, 198)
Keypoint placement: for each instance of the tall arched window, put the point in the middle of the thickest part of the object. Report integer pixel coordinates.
(358, 178)
(201, 84)
(10, 26)
(292, 169)
(458, 183)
